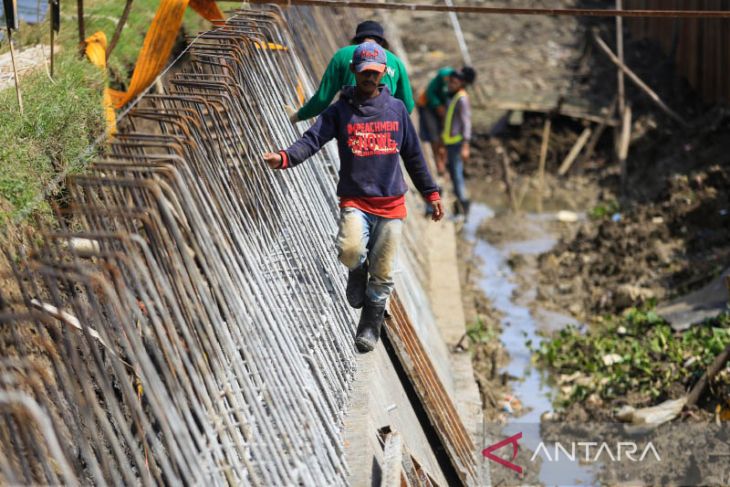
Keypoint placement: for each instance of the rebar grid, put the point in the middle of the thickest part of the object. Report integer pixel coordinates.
(186, 322)
(201, 335)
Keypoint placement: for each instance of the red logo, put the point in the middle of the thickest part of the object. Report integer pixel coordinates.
(487, 452)
(367, 139)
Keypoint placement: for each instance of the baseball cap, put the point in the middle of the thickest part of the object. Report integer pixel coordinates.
(369, 28)
(369, 55)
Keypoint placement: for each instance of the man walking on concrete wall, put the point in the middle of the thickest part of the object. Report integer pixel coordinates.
(373, 130)
(338, 74)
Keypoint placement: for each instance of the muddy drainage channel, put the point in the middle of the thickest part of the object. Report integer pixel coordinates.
(522, 320)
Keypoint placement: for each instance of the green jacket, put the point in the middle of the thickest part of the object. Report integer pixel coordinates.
(437, 92)
(338, 74)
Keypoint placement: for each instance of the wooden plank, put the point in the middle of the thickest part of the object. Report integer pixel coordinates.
(567, 110)
(393, 457)
(440, 409)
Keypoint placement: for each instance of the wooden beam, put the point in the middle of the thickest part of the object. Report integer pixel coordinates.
(567, 110)
(637, 81)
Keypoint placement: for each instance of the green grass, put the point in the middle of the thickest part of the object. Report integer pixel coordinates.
(653, 357)
(62, 118)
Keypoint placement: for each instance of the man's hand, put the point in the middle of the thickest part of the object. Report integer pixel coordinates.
(441, 111)
(273, 160)
(438, 210)
(291, 112)
(465, 152)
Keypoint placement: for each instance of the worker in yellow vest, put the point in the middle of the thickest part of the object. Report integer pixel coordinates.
(457, 132)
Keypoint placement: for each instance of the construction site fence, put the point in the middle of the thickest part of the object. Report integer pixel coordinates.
(184, 322)
(698, 47)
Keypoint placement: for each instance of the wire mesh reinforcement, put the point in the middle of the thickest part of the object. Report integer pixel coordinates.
(186, 322)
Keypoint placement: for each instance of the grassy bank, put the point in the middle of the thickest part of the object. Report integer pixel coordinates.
(63, 117)
(60, 120)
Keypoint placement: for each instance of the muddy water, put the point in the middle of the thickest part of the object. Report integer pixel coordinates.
(522, 320)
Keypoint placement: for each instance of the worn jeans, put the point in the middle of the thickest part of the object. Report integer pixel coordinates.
(364, 236)
(456, 171)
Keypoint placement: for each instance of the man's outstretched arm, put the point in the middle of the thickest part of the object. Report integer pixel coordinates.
(323, 130)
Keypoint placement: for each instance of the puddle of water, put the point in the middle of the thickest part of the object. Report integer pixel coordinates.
(519, 324)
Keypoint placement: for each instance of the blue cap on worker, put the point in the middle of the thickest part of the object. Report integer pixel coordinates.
(369, 56)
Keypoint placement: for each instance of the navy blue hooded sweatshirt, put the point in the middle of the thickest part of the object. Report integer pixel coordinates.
(370, 136)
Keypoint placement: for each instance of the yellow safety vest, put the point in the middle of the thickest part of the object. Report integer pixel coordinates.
(446, 136)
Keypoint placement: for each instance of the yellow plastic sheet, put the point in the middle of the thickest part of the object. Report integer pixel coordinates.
(96, 52)
(158, 44)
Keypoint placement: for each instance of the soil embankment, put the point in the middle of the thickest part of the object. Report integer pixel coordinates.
(621, 247)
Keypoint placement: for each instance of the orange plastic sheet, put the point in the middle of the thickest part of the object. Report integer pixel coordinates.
(96, 52)
(158, 44)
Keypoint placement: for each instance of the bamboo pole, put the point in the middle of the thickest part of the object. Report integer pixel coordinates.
(713, 369)
(637, 81)
(507, 177)
(459, 35)
(52, 42)
(54, 21)
(574, 151)
(15, 72)
(621, 84)
(620, 52)
(119, 28)
(80, 15)
(623, 151)
(543, 158)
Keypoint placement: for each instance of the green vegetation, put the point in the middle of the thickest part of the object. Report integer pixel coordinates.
(604, 209)
(637, 352)
(60, 120)
(479, 332)
(64, 117)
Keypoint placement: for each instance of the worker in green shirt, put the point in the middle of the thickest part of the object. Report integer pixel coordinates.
(432, 105)
(338, 74)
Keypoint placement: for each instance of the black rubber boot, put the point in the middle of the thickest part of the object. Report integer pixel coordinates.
(357, 283)
(368, 330)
